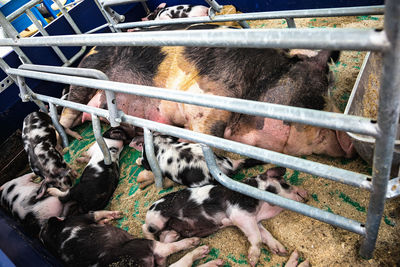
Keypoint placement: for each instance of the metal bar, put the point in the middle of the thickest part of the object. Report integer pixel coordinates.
(307, 116)
(26, 94)
(330, 172)
(305, 13)
(98, 28)
(100, 140)
(83, 72)
(317, 38)
(22, 9)
(57, 125)
(214, 5)
(274, 199)
(388, 117)
(107, 17)
(151, 158)
(13, 35)
(5, 83)
(290, 22)
(44, 33)
(76, 56)
(64, 11)
(145, 7)
(117, 17)
(118, 2)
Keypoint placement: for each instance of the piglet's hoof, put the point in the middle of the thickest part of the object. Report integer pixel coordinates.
(73, 134)
(214, 263)
(105, 216)
(294, 259)
(254, 255)
(169, 236)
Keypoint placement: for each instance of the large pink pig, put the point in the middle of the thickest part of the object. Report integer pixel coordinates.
(269, 75)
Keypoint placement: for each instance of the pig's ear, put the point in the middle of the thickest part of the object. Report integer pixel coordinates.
(42, 190)
(276, 172)
(346, 144)
(162, 5)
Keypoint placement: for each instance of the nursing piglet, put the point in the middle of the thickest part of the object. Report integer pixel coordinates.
(180, 11)
(87, 240)
(184, 163)
(98, 180)
(40, 143)
(202, 211)
(18, 196)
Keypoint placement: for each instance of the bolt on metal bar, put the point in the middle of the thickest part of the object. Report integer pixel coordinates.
(339, 39)
(330, 172)
(83, 72)
(307, 116)
(107, 17)
(100, 140)
(13, 36)
(22, 9)
(27, 95)
(274, 199)
(57, 125)
(287, 14)
(44, 33)
(388, 117)
(151, 158)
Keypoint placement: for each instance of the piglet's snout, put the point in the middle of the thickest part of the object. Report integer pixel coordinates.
(299, 194)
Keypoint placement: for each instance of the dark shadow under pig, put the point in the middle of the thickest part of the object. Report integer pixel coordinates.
(267, 75)
(202, 211)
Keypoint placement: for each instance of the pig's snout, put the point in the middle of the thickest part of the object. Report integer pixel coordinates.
(299, 194)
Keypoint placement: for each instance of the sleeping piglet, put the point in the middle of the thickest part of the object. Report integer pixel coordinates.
(88, 240)
(18, 196)
(98, 181)
(204, 210)
(180, 11)
(40, 143)
(184, 163)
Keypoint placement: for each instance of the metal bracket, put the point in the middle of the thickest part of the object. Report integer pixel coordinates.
(5, 83)
(393, 189)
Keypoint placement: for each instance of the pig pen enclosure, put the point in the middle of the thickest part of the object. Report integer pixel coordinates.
(349, 206)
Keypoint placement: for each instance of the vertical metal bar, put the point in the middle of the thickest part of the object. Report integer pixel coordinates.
(57, 125)
(290, 22)
(71, 22)
(100, 140)
(151, 158)
(107, 17)
(27, 95)
(146, 8)
(388, 117)
(112, 108)
(44, 33)
(214, 5)
(11, 32)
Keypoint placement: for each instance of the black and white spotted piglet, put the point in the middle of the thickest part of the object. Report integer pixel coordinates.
(40, 142)
(180, 11)
(87, 240)
(98, 181)
(204, 210)
(184, 163)
(19, 197)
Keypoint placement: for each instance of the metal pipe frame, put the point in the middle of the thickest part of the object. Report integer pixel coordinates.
(83, 72)
(112, 24)
(330, 172)
(151, 158)
(324, 38)
(22, 9)
(388, 117)
(323, 119)
(274, 199)
(57, 125)
(100, 140)
(287, 14)
(118, 2)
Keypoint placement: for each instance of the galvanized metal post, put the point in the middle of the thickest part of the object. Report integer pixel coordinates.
(57, 125)
(388, 117)
(100, 140)
(151, 158)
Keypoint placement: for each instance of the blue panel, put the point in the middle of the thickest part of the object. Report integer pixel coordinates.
(5, 261)
(19, 248)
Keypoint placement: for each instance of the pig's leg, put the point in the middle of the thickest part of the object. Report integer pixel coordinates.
(163, 250)
(104, 216)
(169, 236)
(248, 225)
(274, 245)
(293, 260)
(198, 253)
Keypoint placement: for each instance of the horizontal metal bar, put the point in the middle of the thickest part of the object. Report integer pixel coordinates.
(274, 199)
(330, 172)
(316, 38)
(306, 13)
(22, 9)
(98, 28)
(307, 116)
(118, 2)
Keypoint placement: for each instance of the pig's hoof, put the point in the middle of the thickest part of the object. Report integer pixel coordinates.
(139, 161)
(214, 263)
(193, 241)
(277, 248)
(200, 252)
(169, 236)
(254, 255)
(73, 134)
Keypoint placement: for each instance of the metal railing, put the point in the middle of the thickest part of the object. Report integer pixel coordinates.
(387, 41)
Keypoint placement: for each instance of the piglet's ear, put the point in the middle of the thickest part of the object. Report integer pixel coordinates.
(162, 5)
(276, 172)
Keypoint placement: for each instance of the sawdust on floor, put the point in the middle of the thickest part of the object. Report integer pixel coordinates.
(322, 244)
